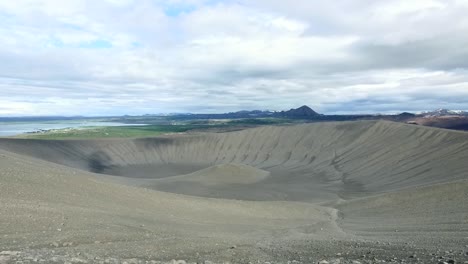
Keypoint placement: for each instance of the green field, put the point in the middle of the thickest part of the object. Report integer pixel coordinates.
(112, 132)
(153, 130)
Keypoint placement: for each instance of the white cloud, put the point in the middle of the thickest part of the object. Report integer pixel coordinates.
(345, 56)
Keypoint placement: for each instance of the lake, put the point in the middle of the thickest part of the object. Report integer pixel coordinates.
(17, 128)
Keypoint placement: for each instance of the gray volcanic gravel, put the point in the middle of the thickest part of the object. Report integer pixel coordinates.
(338, 192)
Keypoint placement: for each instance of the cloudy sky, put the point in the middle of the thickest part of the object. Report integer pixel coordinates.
(91, 57)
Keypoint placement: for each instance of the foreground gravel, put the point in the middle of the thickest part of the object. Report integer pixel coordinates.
(320, 252)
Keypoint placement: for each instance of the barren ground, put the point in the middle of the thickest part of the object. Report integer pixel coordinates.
(365, 191)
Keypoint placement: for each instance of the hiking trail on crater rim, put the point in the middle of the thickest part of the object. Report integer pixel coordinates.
(360, 190)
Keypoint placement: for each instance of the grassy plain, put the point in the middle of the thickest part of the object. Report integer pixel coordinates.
(152, 129)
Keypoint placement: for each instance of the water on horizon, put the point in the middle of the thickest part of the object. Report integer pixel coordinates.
(17, 128)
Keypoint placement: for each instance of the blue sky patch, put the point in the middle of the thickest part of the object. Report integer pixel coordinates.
(176, 10)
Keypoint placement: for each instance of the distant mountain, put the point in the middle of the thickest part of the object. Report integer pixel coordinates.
(253, 113)
(442, 118)
(301, 112)
(406, 115)
(402, 117)
(231, 115)
(444, 112)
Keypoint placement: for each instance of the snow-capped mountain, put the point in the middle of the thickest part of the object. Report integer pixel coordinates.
(445, 112)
